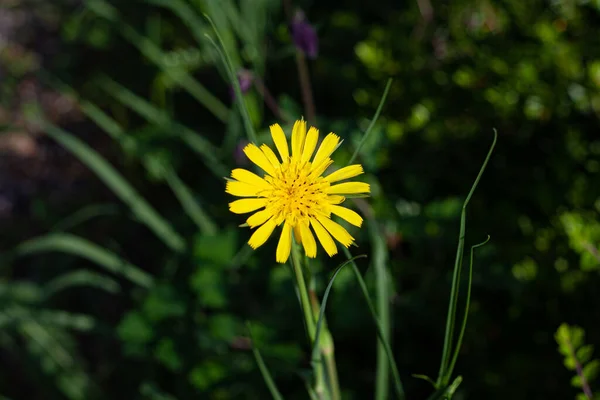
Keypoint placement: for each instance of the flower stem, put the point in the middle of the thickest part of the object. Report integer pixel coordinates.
(309, 319)
(326, 348)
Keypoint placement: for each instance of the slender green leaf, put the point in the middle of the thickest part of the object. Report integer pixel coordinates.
(85, 214)
(395, 374)
(234, 81)
(159, 117)
(466, 313)
(315, 350)
(113, 179)
(373, 121)
(81, 277)
(190, 205)
(443, 376)
(71, 244)
(158, 57)
(382, 294)
(263, 368)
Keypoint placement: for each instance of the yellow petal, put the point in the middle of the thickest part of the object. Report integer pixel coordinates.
(259, 218)
(260, 236)
(324, 237)
(297, 234)
(250, 178)
(308, 241)
(337, 231)
(270, 156)
(298, 135)
(318, 170)
(258, 157)
(280, 141)
(285, 244)
(312, 137)
(328, 146)
(347, 214)
(241, 189)
(344, 173)
(244, 206)
(349, 188)
(335, 199)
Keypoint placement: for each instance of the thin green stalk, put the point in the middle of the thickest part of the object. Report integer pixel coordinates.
(327, 348)
(334, 382)
(443, 376)
(234, 81)
(263, 369)
(380, 333)
(324, 345)
(383, 307)
(320, 387)
(373, 121)
(466, 314)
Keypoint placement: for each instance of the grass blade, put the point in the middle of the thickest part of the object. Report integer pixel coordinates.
(373, 121)
(443, 377)
(113, 179)
(159, 117)
(383, 306)
(85, 214)
(157, 56)
(234, 81)
(189, 204)
(71, 244)
(181, 191)
(81, 277)
(263, 369)
(388, 350)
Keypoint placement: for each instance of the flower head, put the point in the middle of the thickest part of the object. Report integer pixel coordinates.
(304, 35)
(294, 192)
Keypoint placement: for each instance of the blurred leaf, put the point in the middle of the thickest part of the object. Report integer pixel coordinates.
(71, 244)
(134, 328)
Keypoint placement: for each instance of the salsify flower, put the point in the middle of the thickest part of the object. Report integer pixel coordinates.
(294, 192)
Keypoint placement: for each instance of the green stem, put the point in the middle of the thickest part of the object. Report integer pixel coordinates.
(320, 387)
(332, 374)
(326, 347)
(383, 308)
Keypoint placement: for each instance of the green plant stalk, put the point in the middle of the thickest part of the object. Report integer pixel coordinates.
(373, 121)
(383, 308)
(466, 313)
(443, 375)
(234, 81)
(326, 347)
(296, 259)
(388, 350)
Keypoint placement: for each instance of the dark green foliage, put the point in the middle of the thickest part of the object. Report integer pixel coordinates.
(135, 282)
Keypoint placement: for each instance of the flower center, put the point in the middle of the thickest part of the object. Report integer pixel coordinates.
(297, 195)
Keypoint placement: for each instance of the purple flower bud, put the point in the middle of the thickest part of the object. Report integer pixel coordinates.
(245, 79)
(304, 35)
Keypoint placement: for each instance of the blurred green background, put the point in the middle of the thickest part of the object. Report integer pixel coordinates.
(124, 275)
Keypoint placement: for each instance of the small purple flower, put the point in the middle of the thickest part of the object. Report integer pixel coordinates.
(304, 35)
(245, 79)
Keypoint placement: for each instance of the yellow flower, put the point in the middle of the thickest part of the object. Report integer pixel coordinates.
(294, 192)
